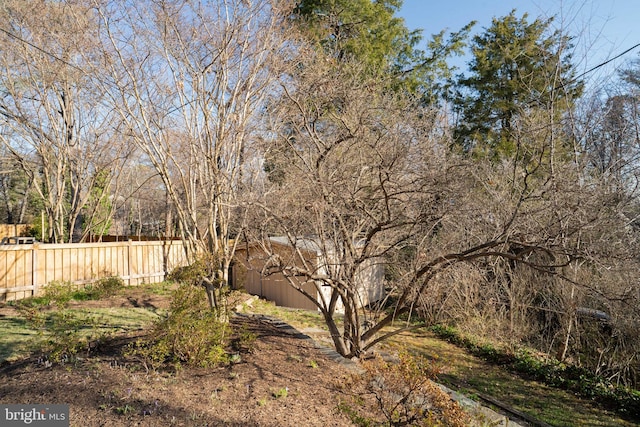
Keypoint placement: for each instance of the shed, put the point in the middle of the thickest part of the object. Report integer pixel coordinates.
(250, 261)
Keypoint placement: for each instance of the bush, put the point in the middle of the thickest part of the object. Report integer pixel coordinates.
(105, 287)
(205, 271)
(400, 393)
(194, 273)
(66, 332)
(59, 293)
(67, 335)
(192, 333)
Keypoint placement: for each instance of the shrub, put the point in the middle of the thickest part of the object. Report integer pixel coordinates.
(66, 332)
(105, 287)
(400, 393)
(67, 335)
(205, 272)
(192, 333)
(190, 274)
(59, 293)
(203, 267)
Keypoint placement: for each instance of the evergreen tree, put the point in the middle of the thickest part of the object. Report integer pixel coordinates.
(368, 32)
(518, 67)
(362, 30)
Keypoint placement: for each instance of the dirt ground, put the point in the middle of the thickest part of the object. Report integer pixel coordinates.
(283, 381)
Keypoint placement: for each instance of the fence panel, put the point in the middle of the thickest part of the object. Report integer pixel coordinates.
(17, 271)
(9, 230)
(25, 268)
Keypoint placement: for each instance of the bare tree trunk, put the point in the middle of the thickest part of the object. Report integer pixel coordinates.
(195, 122)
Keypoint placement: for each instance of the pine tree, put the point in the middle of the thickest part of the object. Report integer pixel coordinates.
(369, 33)
(517, 67)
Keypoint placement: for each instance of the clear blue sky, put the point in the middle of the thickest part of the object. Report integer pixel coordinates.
(604, 28)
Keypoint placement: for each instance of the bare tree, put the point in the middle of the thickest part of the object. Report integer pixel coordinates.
(16, 190)
(598, 323)
(609, 136)
(58, 130)
(189, 79)
(367, 176)
(358, 176)
(143, 209)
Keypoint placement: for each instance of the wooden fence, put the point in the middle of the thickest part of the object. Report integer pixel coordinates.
(9, 230)
(24, 269)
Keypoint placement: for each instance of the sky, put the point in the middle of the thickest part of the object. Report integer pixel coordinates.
(603, 28)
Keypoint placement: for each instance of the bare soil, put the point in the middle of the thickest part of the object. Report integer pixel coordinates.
(284, 380)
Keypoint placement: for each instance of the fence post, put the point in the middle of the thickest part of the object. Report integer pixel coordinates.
(34, 269)
(129, 247)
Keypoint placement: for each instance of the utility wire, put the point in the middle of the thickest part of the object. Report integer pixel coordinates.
(564, 85)
(10, 34)
(20, 39)
(604, 63)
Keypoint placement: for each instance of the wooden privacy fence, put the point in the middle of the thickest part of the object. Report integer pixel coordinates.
(8, 230)
(26, 268)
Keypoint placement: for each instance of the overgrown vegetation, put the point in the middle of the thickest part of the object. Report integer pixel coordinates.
(515, 212)
(58, 294)
(191, 334)
(243, 339)
(64, 332)
(204, 272)
(550, 371)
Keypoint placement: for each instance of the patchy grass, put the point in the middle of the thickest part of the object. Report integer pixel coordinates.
(18, 336)
(160, 288)
(472, 376)
(306, 321)
(298, 318)
(111, 388)
(461, 370)
(119, 319)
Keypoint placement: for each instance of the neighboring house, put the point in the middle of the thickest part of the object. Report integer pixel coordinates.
(248, 274)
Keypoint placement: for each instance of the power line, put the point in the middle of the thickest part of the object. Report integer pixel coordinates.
(20, 39)
(563, 85)
(10, 34)
(605, 63)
